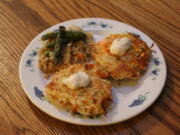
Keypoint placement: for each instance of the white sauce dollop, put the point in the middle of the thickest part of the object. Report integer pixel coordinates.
(120, 45)
(77, 80)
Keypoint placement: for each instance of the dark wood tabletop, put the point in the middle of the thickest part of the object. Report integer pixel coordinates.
(22, 20)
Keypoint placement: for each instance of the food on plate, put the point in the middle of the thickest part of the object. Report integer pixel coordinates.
(122, 56)
(79, 90)
(64, 47)
(79, 86)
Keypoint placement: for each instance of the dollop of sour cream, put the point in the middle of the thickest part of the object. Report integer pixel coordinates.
(119, 46)
(77, 80)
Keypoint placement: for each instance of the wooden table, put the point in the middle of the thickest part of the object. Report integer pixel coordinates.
(22, 20)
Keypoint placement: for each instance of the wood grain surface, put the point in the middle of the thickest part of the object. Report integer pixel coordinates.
(22, 20)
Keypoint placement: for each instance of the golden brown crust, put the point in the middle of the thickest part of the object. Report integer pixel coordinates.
(128, 66)
(90, 101)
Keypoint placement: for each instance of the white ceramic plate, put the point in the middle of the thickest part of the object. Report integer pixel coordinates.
(128, 100)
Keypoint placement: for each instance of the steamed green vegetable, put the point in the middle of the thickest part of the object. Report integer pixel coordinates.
(72, 35)
(75, 35)
(58, 46)
(49, 35)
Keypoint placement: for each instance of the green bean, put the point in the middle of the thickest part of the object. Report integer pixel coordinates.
(58, 46)
(49, 35)
(57, 56)
(71, 35)
(75, 35)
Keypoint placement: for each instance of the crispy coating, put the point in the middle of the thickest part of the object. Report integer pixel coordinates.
(129, 66)
(89, 101)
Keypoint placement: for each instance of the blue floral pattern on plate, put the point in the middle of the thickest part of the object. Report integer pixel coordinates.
(31, 59)
(38, 93)
(139, 100)
(96, 24)
(156, 69)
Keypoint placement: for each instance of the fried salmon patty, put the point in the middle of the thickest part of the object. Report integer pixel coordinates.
(128, 66)
(91, 100)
